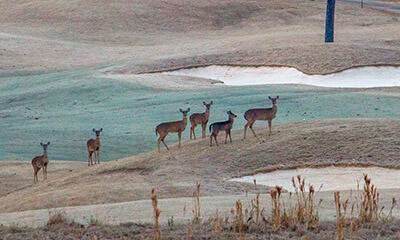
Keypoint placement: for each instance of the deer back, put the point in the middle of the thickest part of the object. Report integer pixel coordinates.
(198, 118)
(177, 126)
(40, 161)
(93, 144)
(221, 126)
(261, 113)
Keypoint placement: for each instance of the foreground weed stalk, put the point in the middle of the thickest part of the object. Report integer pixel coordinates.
(157, 232)
(196, 195)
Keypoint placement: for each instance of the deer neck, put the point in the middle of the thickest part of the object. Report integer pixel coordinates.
(184, 120)
(98, 139)
(231, 120)
(44, 156)
(207, 113)
(274, 108)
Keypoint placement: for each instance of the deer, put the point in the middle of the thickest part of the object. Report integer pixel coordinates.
(93, 146)
(178, 126)
(222, 126)
(39, 162)
(262, 114)
(200, 119)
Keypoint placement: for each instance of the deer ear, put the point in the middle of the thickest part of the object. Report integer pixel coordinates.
(204, 103)
(188, 110)
(101, 129)
(228, 112)
(180, 109)
(277, 97)
(211, 103)
(94, 130)
(41, 144)
(269, 97)
(48, 143)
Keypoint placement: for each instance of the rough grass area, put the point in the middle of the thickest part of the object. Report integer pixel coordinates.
(142, 36)
(207, 230)
(358, 142)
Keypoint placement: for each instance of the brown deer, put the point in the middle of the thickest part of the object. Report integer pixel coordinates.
(222, 126)
(262, 114)
(164, 128)
(93, 146)
(200, 119)
(40, 162)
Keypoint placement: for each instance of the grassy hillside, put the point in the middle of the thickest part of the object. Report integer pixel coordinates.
(173, 174)
(63, 108)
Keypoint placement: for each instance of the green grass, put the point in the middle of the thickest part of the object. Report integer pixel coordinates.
(63, 107)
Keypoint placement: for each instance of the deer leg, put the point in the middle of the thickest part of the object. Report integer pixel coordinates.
(159, 141)
(179, 137)
(230, 136)
(191, 130)
(215, 138)
(45, 172)
(226, 136)
(211, 136)
(245, 128)
(164, 142)
(270, 126)
(34, 175)
(251, 128)
(204, 126)
(98, 156)
(89, 159)
(194, 133)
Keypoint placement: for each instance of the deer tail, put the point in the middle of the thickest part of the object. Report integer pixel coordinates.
(245, 116)
(156, 132)
(211, 126)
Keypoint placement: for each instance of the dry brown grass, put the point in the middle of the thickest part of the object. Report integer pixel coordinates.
(157, 233)
(197, 211)
(57, 218)
(142, 35)
(195, 162)
(367, 207)
(298, 214)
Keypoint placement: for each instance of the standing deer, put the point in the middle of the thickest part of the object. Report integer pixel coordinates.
(93, 146)
(200, 119)
(40, 162)
(262, 114)
(221, 126)
(178, 126)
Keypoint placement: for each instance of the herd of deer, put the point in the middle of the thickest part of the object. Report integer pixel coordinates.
(251, 115)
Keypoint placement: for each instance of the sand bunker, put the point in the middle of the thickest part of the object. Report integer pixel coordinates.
(364, 77)
(331, 178)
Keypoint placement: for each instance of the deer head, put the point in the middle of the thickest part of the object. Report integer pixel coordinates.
(274, 100)
(231, 114)
(45, 146)
(208, 105)
(185, 113)
(97, 132)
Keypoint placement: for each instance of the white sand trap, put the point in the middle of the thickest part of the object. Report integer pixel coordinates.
(364, 77)
(332, 178)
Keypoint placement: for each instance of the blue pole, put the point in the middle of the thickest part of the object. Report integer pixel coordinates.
(330, 19)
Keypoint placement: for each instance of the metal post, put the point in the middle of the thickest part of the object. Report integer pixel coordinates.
(330, 19)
